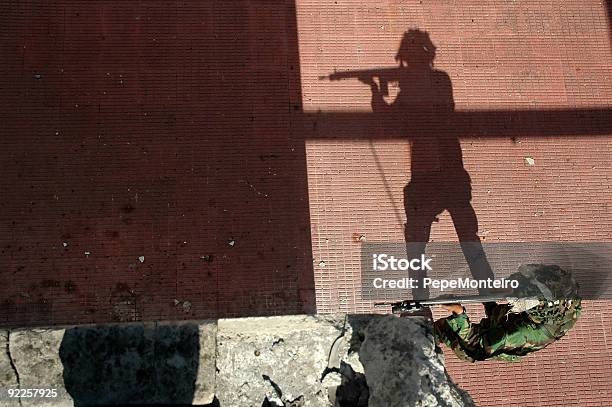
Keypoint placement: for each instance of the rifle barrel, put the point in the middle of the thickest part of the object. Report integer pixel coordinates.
(451, 300)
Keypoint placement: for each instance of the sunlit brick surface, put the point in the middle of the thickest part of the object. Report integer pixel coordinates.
(500, 56)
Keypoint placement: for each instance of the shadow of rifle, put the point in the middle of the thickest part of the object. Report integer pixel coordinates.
(384, 76)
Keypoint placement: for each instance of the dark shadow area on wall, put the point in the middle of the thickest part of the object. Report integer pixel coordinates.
(149, 166)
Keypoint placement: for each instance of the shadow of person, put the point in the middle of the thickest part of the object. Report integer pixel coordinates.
(439, 181)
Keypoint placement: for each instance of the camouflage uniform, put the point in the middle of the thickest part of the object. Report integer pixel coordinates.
(507, 335)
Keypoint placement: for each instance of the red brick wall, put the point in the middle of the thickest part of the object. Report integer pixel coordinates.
(500, 56)
(170, 129)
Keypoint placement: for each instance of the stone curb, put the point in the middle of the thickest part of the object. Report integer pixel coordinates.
(33, 360)
(301, 360)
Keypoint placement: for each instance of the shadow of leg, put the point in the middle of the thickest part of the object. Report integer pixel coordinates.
(466, 225)
(420, 214)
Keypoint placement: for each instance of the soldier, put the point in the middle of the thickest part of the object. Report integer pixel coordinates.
(547, 308)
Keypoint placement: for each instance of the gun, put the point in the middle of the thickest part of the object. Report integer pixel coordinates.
(414, 305)
(384, 75)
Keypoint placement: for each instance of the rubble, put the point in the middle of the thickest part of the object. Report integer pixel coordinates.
(403, 367)
(289, 361)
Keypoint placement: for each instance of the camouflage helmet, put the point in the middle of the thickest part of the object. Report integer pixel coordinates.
(548, 282)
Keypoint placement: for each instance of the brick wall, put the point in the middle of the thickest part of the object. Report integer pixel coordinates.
(175, 131)
(155, 129)
(501, 57)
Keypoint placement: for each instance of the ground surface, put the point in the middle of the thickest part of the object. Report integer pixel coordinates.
(156, 164)
(499, 56)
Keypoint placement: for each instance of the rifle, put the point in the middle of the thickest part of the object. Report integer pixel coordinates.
(384, 75)
(414, 305)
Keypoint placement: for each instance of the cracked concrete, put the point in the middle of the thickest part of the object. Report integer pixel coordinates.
(35, 354)
(404, 367)
(292, 351)
(333, 360)
(289, 361)
(9, 376)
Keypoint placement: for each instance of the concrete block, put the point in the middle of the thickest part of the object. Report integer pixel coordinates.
(35, 354)
(278, 359)
(8, 376)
